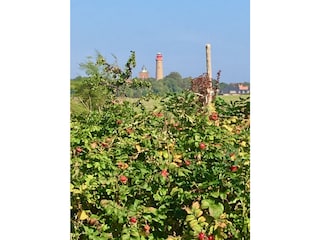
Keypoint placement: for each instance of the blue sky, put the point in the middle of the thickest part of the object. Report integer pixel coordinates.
(178, 29)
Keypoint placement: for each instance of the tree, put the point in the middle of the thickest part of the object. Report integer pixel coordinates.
(174, 75)
(75, 85)
(104, 81)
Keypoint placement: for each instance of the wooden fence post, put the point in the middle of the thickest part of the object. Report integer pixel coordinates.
(209, 72)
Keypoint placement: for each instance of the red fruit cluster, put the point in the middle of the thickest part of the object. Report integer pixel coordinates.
(123, 179)
(214, 116)
(211, 237)
(202, 146)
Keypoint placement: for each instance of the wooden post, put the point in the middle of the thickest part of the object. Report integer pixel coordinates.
(209, 72)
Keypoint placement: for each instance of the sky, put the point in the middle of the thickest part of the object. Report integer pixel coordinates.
(178, 29)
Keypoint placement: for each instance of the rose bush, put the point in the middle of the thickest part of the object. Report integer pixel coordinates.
(172, 172)
(156, 171)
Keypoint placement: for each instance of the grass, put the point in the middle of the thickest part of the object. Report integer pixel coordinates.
(148, 104)
(229, 98)
(77, 106)
(151, 103)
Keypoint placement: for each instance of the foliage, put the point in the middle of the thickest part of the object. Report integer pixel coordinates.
(239, 107)
(174, 172)
(104, 82)
(172, 83)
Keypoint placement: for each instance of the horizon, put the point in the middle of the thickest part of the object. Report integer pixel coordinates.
(137, 71)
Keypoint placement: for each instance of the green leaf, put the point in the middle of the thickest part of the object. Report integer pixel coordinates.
(190, 217)
(125, 237)
(205, 204)
(181, 173)
(215, 210)
(148, 217)
(215, 194)
(157, 197)
(163, 191)
(223, 196)
(165, 154)
(174, 191)
(134, 233)
(89, 165)
(197, 137)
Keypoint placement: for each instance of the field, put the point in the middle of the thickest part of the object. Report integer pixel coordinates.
(151, 103)
(77, 106)
(229, 98)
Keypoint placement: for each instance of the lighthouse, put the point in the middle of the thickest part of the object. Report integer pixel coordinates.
(159, 67)
(144, 73)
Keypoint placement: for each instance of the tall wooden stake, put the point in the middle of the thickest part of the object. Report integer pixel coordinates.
(209, 72)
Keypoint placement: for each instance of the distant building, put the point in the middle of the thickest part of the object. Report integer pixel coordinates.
(144, 74)
(235, 88)
(243, 89)
(159, 66)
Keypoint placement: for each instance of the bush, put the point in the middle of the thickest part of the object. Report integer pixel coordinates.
(129, 163)
(177, 171)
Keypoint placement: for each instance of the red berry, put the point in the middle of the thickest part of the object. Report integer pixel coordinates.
(202, 146)
(79, 149)
(123, 179)
(187, 162)
(92, 221)
(129, 130)
(133, 220)
(211, 237)
(213, 116)
(201, 236)
(234, 168)
(164, 173)
(160, 114)
(146, 228)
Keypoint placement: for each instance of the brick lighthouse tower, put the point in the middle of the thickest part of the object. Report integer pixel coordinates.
(159, 67)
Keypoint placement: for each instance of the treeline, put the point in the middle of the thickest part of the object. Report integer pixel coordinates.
(169, 84)
(172, 83)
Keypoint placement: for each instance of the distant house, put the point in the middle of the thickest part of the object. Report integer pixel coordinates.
(235, 88)
(243, 89)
